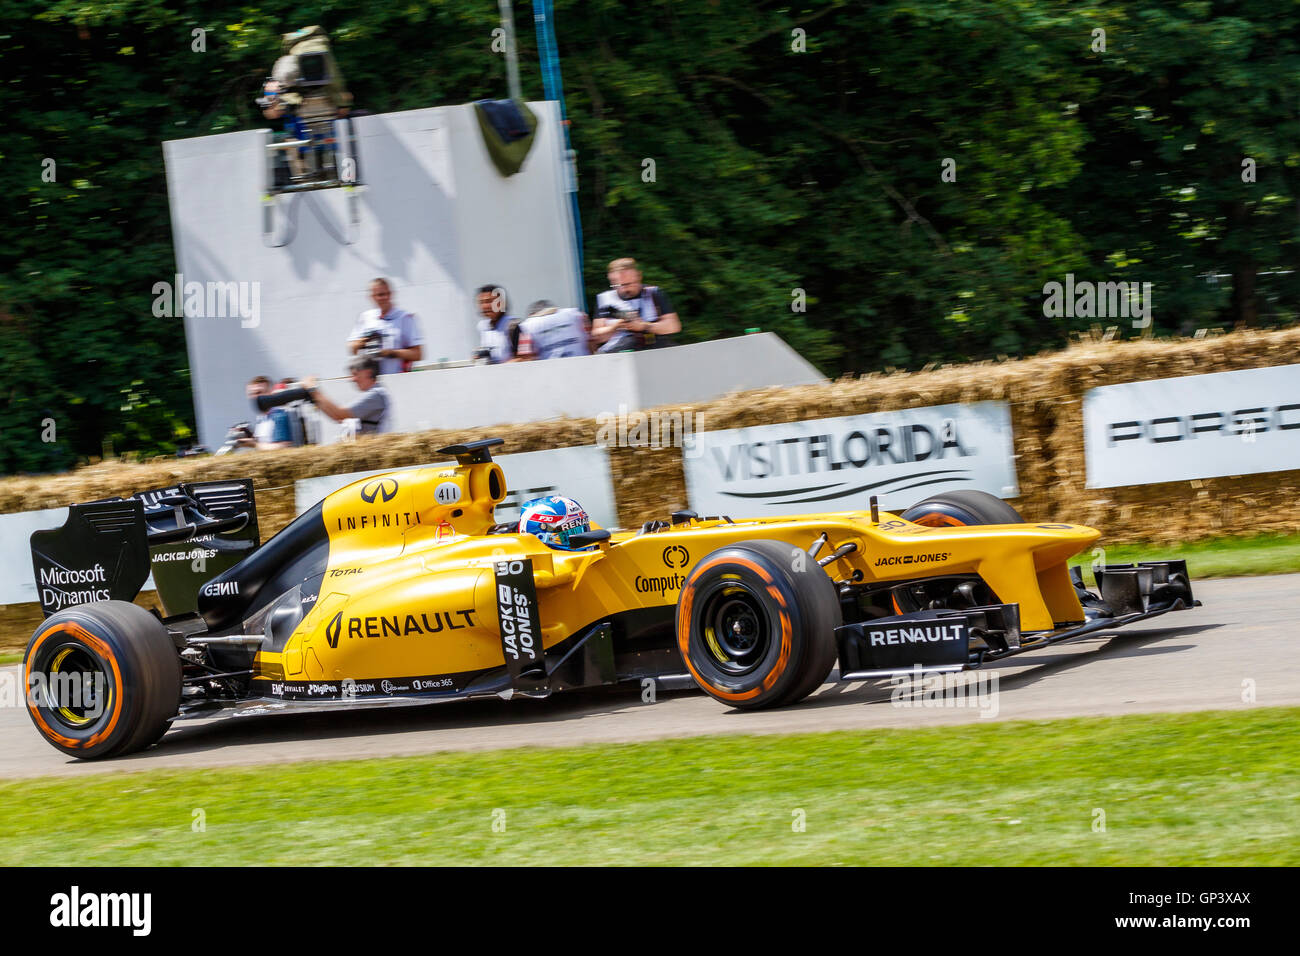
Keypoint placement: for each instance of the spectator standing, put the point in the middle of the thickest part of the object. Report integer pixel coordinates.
(388, 333)
(549, 332)
(497, 329)
(632, 315)
(372, 410)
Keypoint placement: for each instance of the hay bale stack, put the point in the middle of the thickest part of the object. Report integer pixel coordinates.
(1044, 391)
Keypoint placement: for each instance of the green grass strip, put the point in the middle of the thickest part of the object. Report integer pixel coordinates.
(1211, 557)
(1178, 789)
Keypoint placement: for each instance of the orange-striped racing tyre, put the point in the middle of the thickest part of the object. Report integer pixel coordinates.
(756, 624)
(102, 680)
(956, 509)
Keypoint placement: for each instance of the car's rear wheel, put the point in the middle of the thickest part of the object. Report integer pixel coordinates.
(103, 680)
(956, 509)
(756, 623)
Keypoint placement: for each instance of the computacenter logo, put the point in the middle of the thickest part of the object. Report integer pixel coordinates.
(77, 909)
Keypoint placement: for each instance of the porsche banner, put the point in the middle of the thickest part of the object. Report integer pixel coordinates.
(837, 464)
(1196, 426)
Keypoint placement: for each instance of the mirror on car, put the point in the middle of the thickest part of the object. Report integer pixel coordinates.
(584, 538)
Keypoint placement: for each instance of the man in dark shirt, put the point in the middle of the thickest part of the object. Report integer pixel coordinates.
(495, 338)
(632, 315)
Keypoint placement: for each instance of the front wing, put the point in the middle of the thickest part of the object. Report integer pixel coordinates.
(940, 641)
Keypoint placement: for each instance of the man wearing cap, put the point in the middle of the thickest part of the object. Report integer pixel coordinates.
(371, 409)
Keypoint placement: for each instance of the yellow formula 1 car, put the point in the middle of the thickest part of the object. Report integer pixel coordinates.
(403, 589)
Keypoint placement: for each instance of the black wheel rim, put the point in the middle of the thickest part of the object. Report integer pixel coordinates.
(78, 690)
(736, 628)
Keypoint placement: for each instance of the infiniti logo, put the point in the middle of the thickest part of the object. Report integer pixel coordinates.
(385, 488)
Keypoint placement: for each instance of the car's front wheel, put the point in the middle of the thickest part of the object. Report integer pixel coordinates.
(756, 624)
(955, 509)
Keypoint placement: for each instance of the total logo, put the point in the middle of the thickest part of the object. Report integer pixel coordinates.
(383, 488)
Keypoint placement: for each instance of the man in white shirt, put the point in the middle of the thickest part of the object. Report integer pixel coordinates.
(392, 332)
(549, 332)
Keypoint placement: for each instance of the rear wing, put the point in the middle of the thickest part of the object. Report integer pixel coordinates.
(187, 534)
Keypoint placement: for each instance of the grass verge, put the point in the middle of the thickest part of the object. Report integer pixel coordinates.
(1177, 789)
(1211, 557)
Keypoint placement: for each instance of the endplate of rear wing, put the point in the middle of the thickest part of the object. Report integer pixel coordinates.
(105, 549)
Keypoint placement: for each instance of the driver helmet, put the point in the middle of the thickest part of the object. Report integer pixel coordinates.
(553, 519)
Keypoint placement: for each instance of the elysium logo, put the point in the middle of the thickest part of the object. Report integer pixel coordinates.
(385, 488)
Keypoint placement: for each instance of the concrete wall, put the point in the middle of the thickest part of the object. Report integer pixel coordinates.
(435, 217)
(584, 386)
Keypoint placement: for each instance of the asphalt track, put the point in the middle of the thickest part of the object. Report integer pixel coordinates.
(1244, 640)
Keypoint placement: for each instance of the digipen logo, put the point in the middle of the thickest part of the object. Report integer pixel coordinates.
(385, 488)
(675, 556)
(333, 629)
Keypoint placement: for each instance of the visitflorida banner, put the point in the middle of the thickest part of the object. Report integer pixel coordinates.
(1195, 426)
(837, 464)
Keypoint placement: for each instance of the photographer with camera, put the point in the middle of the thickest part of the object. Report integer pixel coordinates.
(372, 410)
(274, 427)
(632, 316)
(386, 333)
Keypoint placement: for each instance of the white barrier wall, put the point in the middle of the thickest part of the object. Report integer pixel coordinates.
(584, 386)
(435, 217)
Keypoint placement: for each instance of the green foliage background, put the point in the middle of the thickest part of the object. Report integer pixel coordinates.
(776, 170)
